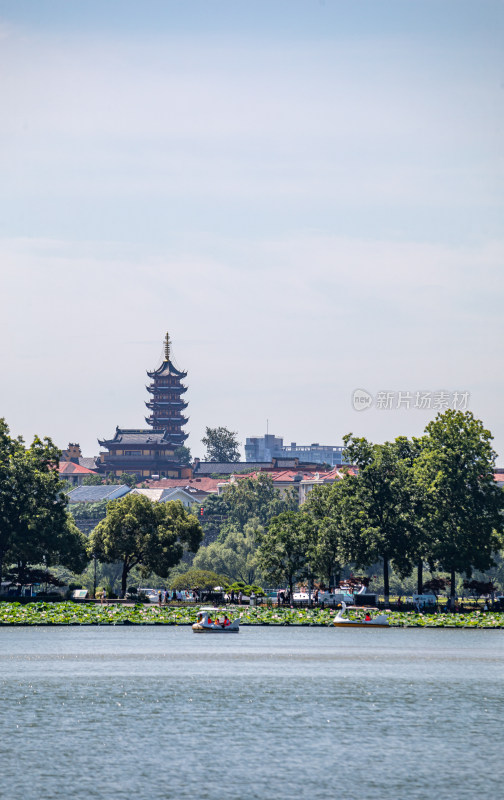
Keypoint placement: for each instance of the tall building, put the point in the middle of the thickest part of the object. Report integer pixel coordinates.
(152, 451)
(167, 403)
(264, 448)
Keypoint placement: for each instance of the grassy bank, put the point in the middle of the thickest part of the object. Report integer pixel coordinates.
(68, 613)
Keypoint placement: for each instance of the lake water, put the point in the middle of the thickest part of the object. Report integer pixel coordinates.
(157, 712)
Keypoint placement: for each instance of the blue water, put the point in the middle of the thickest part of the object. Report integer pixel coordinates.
(273, 712)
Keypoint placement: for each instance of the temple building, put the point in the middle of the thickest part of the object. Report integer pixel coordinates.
(152, 452)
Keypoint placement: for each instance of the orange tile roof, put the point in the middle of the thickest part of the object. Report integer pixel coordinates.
(69, 468)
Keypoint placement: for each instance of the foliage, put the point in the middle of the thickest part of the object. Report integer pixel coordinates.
(71, 613)
(221, 445)
(282, 553)
(246, 588)
(36, 528)
(325, 504)
(257, 498)
(378, 505)
(198, 578)
(92, 480)
(480, 588)
(234, 554)
(435, 586)
(88, 510)
(463, 506)
(182, 454)
(152, 536)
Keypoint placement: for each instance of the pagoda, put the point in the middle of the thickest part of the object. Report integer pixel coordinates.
(151, 452)
(167, 403)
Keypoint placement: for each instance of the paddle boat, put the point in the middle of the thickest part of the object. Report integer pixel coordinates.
(380, 621)
(214, 620)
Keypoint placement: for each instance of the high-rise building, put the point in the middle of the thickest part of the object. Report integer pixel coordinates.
(265, 448)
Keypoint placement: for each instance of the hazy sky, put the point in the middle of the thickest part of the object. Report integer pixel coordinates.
(307, 194)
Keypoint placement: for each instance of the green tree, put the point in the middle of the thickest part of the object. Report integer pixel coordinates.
(283, 552)
(234, 554)
(198, 578)
(255, 498)
(326, 506)
(182, 455)
(152, 536)
(92, 480)
(35, 526)
(463, 506)
(377, 506)
(221, 445)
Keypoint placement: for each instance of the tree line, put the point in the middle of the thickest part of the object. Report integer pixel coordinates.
(429, 501)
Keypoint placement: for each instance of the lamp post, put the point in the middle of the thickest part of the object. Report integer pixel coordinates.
(94, 577)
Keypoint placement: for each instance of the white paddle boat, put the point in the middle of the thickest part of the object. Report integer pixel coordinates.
(214, 620)
(380, 621)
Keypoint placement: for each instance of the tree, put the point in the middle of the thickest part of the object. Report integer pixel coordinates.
(325, 504)
(283, 551)
(234, 554)
(152, 536)
(378, 505)
(221, 445)
(463, 506)
(255, 498)
(92, 480)
(182, 454)
(36, 528)
(198, 578)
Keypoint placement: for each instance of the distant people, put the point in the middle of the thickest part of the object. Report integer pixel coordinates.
(160, 598)
(179, 597)
(240, 597)
(104, 596)
(174, 595)
(316, 595)
(232, 596)
(280, 596)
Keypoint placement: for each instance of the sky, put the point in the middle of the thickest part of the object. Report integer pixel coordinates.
(307, 194)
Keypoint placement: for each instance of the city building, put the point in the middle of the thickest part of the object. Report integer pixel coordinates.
(73, 473)
(265, 448)
(152, 452)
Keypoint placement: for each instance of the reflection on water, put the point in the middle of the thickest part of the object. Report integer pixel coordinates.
(149, 713)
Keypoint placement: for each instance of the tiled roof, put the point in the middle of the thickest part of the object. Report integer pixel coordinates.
(202, 484)
(227, 468)
(69, 468)
(93, 494)
(128, 436)
(90, 463)
(154, 495)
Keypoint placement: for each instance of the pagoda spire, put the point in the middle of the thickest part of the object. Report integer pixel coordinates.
(167, 345)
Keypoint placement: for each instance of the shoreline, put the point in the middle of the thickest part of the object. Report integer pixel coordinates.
(69, 614)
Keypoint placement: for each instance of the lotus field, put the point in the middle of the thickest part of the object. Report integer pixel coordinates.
(69, 613)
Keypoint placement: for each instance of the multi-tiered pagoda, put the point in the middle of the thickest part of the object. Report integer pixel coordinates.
(167, 403)
(152, 451)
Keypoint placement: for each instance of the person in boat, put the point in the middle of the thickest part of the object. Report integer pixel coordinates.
(226, 621)
(367, 618)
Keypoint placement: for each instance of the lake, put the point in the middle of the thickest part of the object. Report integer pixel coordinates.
(157, 712)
